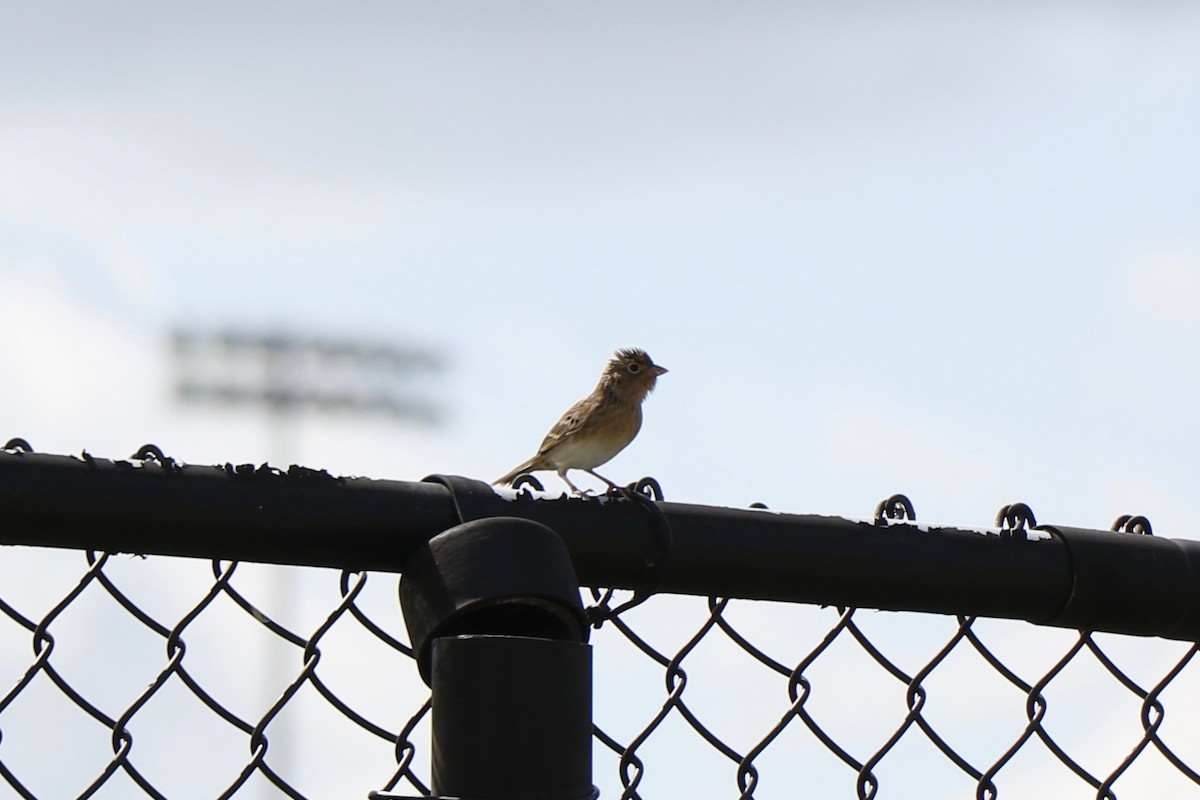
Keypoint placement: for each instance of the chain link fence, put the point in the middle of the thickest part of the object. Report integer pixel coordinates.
(176, 678)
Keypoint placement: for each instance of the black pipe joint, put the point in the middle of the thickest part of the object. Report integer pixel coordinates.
(499, 634)
(501, 575)
(1148, 590)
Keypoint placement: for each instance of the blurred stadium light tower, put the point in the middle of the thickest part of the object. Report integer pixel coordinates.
(288, 375)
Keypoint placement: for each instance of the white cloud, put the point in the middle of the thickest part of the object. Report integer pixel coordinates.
(135, 173)
(75, 376)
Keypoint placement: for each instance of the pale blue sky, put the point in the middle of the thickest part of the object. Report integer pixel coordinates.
(924, 247)
(973, 229)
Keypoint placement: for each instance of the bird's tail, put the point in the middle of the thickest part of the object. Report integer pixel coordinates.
(526, 466)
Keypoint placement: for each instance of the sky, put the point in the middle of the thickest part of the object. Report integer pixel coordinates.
(944, 250)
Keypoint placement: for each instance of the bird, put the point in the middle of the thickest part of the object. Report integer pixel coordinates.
(600, 425)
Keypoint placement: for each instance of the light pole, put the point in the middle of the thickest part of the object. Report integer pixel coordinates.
(286, 375)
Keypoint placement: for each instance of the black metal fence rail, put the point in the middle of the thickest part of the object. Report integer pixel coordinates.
(1123, 581)
(1054, 575)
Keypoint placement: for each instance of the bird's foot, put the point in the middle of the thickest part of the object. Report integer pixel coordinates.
(624, 492)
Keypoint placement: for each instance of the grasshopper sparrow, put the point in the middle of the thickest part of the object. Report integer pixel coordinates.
(600, 425)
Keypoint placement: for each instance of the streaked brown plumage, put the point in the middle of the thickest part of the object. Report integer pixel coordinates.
(600, 425)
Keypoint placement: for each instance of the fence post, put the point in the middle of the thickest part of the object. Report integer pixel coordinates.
(493, 612)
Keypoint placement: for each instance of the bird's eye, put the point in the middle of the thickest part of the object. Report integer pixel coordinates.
(634, 368)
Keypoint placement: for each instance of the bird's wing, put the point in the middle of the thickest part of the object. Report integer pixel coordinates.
(569, 423)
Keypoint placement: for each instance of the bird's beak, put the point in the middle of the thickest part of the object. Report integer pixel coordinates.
(657, 370)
